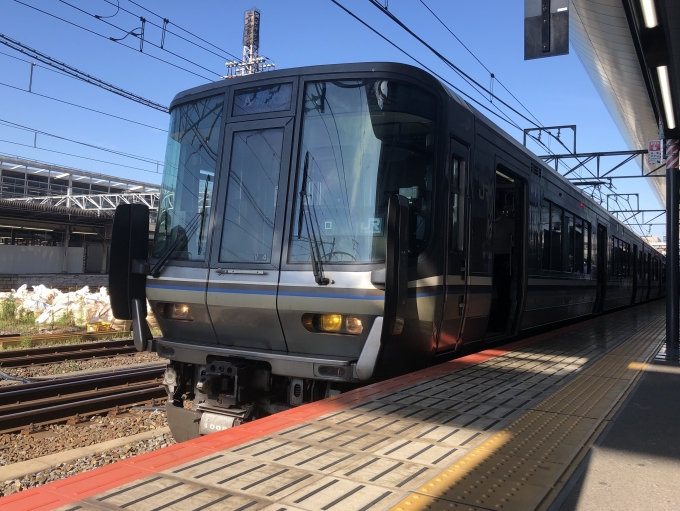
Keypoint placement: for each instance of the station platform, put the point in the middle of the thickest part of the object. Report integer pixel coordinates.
(520, 427)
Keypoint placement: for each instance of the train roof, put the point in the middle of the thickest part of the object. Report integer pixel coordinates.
(413, 72)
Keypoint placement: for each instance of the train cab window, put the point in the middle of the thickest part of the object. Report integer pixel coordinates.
(556, 238)
(456, 195)
(251, 196)
(265, 99)
(186, 189)
(362, 140)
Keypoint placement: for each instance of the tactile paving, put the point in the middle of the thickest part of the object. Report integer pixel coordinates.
(496, 434)
(520, 465)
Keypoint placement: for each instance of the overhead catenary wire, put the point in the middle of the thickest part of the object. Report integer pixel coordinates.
(131, 32)
(77, 73)
(37, 65)
(109, 39)
(424, 66)
(459, 70)
(73, 156)
(457, 89)
(478, 60)
(10, 124)
(165, 29)
(467, 77)
(446, 60)
(81, 106)
(185, 30)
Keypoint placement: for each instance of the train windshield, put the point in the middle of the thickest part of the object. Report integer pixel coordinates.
(188, 177)
(362, 141)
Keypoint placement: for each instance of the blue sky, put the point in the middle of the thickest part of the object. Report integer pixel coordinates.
(293, 33)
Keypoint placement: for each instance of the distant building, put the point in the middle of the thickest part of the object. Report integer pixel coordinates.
(656, 243)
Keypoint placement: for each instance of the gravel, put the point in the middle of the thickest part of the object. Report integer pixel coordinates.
(70, 366)
(64, 470)
(53, 438)
(58, 438)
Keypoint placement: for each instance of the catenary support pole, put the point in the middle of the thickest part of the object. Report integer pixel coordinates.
(672, 251)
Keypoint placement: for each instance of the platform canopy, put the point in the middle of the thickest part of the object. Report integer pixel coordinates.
(622, 44)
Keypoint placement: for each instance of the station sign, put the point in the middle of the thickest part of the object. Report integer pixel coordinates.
(655, 152)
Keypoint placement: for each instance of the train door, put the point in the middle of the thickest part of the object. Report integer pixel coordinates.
(635, 273)
(455, 281)
(245, 260)
(508, 253)
(601, 268)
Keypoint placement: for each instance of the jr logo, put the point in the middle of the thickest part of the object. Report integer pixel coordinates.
(372, 226)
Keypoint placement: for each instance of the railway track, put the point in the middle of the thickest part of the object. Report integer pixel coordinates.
(51, 401)
(47, 355)
(15, 340)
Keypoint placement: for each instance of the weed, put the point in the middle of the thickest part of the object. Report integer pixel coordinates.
(26, 341)
(67, 319)
(15, 318)
(8, 309)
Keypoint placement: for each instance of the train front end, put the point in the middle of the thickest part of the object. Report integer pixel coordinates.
(292, 205)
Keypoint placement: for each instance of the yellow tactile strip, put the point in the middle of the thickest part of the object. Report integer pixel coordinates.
(522, 466)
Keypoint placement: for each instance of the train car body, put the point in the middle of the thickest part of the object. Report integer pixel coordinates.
(324, 227)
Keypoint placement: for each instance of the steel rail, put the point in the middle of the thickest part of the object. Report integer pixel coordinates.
(55, 401)
(35, 391)
(46, 355)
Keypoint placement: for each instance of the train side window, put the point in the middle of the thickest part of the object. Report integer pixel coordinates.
(456, 201)
(545, 233)
(568, 229)
(586, 247)
(556, 238)
(641, 266)
(579, 251)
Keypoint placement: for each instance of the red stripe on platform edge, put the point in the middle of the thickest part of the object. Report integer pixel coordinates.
(79, 487)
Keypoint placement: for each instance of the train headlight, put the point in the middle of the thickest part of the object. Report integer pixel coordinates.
(330, 322)
(178, 311)
(334, 323)
(353, 325)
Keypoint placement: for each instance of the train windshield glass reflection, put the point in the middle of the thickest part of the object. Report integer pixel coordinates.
(362, 141)
(188, 178)
(259, 100)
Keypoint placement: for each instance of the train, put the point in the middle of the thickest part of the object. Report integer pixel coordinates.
(324, 227)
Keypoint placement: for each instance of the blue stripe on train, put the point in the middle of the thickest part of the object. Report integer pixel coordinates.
(284, 293)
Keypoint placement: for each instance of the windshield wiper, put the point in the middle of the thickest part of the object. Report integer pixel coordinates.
(314, 248)
(205, 201)
(189, 231)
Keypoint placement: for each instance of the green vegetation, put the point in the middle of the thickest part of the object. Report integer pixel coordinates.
(66, 320)
(15, 318)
